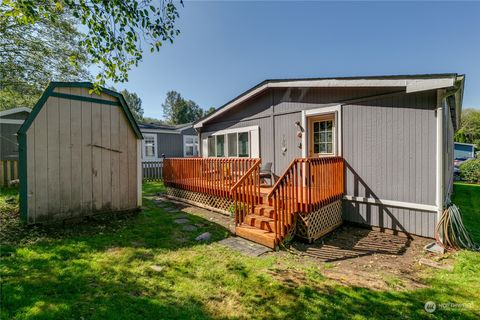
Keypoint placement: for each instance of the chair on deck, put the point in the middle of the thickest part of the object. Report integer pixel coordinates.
(266, 172)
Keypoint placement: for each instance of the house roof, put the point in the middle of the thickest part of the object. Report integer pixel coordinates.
(50, 92)
(164, 128)
(411, 83)
(14, 110)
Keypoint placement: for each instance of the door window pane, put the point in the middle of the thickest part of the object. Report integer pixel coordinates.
(220, 150)
(243, 145)
(323, 136)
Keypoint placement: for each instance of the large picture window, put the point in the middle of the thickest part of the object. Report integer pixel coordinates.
(235, 144)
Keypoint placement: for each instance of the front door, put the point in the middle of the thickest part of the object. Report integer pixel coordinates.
(321, 135)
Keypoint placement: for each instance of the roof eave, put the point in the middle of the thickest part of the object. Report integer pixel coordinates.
(410, 83)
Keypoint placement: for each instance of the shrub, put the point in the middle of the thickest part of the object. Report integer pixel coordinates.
(470, 170)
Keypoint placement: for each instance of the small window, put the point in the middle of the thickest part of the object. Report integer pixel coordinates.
(150, 146)
(220, 145)
(190, 146)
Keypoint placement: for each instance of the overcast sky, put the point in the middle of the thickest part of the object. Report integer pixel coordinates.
(227, 47)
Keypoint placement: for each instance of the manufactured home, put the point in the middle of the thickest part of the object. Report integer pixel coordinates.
(163, 140)
(79, 155)
(374, 150)
(464, 150)
(10, 122)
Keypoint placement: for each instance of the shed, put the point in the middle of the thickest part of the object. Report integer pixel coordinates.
(79, 155)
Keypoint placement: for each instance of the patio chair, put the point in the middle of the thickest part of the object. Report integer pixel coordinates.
(266, 172)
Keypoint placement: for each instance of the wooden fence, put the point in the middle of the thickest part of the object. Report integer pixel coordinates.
(152, 170)
(8, 171)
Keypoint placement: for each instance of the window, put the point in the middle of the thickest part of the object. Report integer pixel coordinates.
(323, 137)
(243, 144)
(211, 146)
(220, 145)
(190, 146)
(235, 144)
(149, 145)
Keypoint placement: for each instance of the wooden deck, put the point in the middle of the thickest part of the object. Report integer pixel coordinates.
(264, 214)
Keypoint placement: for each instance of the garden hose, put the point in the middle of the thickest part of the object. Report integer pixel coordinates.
(451, 233)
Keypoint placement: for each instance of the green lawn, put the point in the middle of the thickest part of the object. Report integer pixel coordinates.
(102, 269)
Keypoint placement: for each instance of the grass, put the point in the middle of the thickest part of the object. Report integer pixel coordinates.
(102, 269)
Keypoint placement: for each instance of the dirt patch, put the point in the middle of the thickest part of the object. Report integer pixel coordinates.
(367, 258)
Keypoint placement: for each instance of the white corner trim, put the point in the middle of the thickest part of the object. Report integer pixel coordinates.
(392, 203)
(15, 110)
(11, 121)
(139, 173)
(337, 111)
(410, 85)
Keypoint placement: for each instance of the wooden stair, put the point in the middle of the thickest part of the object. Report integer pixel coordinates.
(259, 225)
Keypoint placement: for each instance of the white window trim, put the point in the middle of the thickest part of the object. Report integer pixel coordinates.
(253, 141)
(155, 149)
(185, 145)
(337, 112)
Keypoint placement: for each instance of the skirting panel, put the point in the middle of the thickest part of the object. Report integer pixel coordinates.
(223, 205)
(409, 221)
(317, 224)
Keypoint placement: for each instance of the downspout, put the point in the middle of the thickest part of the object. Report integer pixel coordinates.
(440, 114)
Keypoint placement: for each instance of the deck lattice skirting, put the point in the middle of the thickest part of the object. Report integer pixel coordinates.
(215, 203)
(311, 226)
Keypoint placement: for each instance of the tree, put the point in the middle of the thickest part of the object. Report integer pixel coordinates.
(116, 30)
(177, 110)
(135, 104)
(469, 131)
(209, 111)
(31, 55)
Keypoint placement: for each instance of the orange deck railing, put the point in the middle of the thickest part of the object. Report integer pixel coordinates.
(215, 176)
(246, 193)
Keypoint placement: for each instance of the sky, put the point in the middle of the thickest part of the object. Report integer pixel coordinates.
(227, 47)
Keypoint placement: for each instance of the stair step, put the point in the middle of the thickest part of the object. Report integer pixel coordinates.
(264, 210)
(262, 237)
(260, 222)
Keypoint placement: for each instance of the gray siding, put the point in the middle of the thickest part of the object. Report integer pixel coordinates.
(388, 145)
(170, 144)
(400, 219)
(8, 141)
(389, 148)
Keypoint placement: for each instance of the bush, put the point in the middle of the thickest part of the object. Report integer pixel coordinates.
(470, 170)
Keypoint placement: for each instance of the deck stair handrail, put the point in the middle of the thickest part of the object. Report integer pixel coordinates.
(305, 186)
(246, 193)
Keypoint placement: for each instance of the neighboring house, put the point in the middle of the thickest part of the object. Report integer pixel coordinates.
(464, 150)
(395, 134)
(171, 141)
(10, 122)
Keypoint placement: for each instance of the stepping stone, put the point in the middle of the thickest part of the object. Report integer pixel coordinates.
(171, 209)
(181, 216)
(244, 246)
(189, 227)
(181, 221)
(156, 268)
(204, 236)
